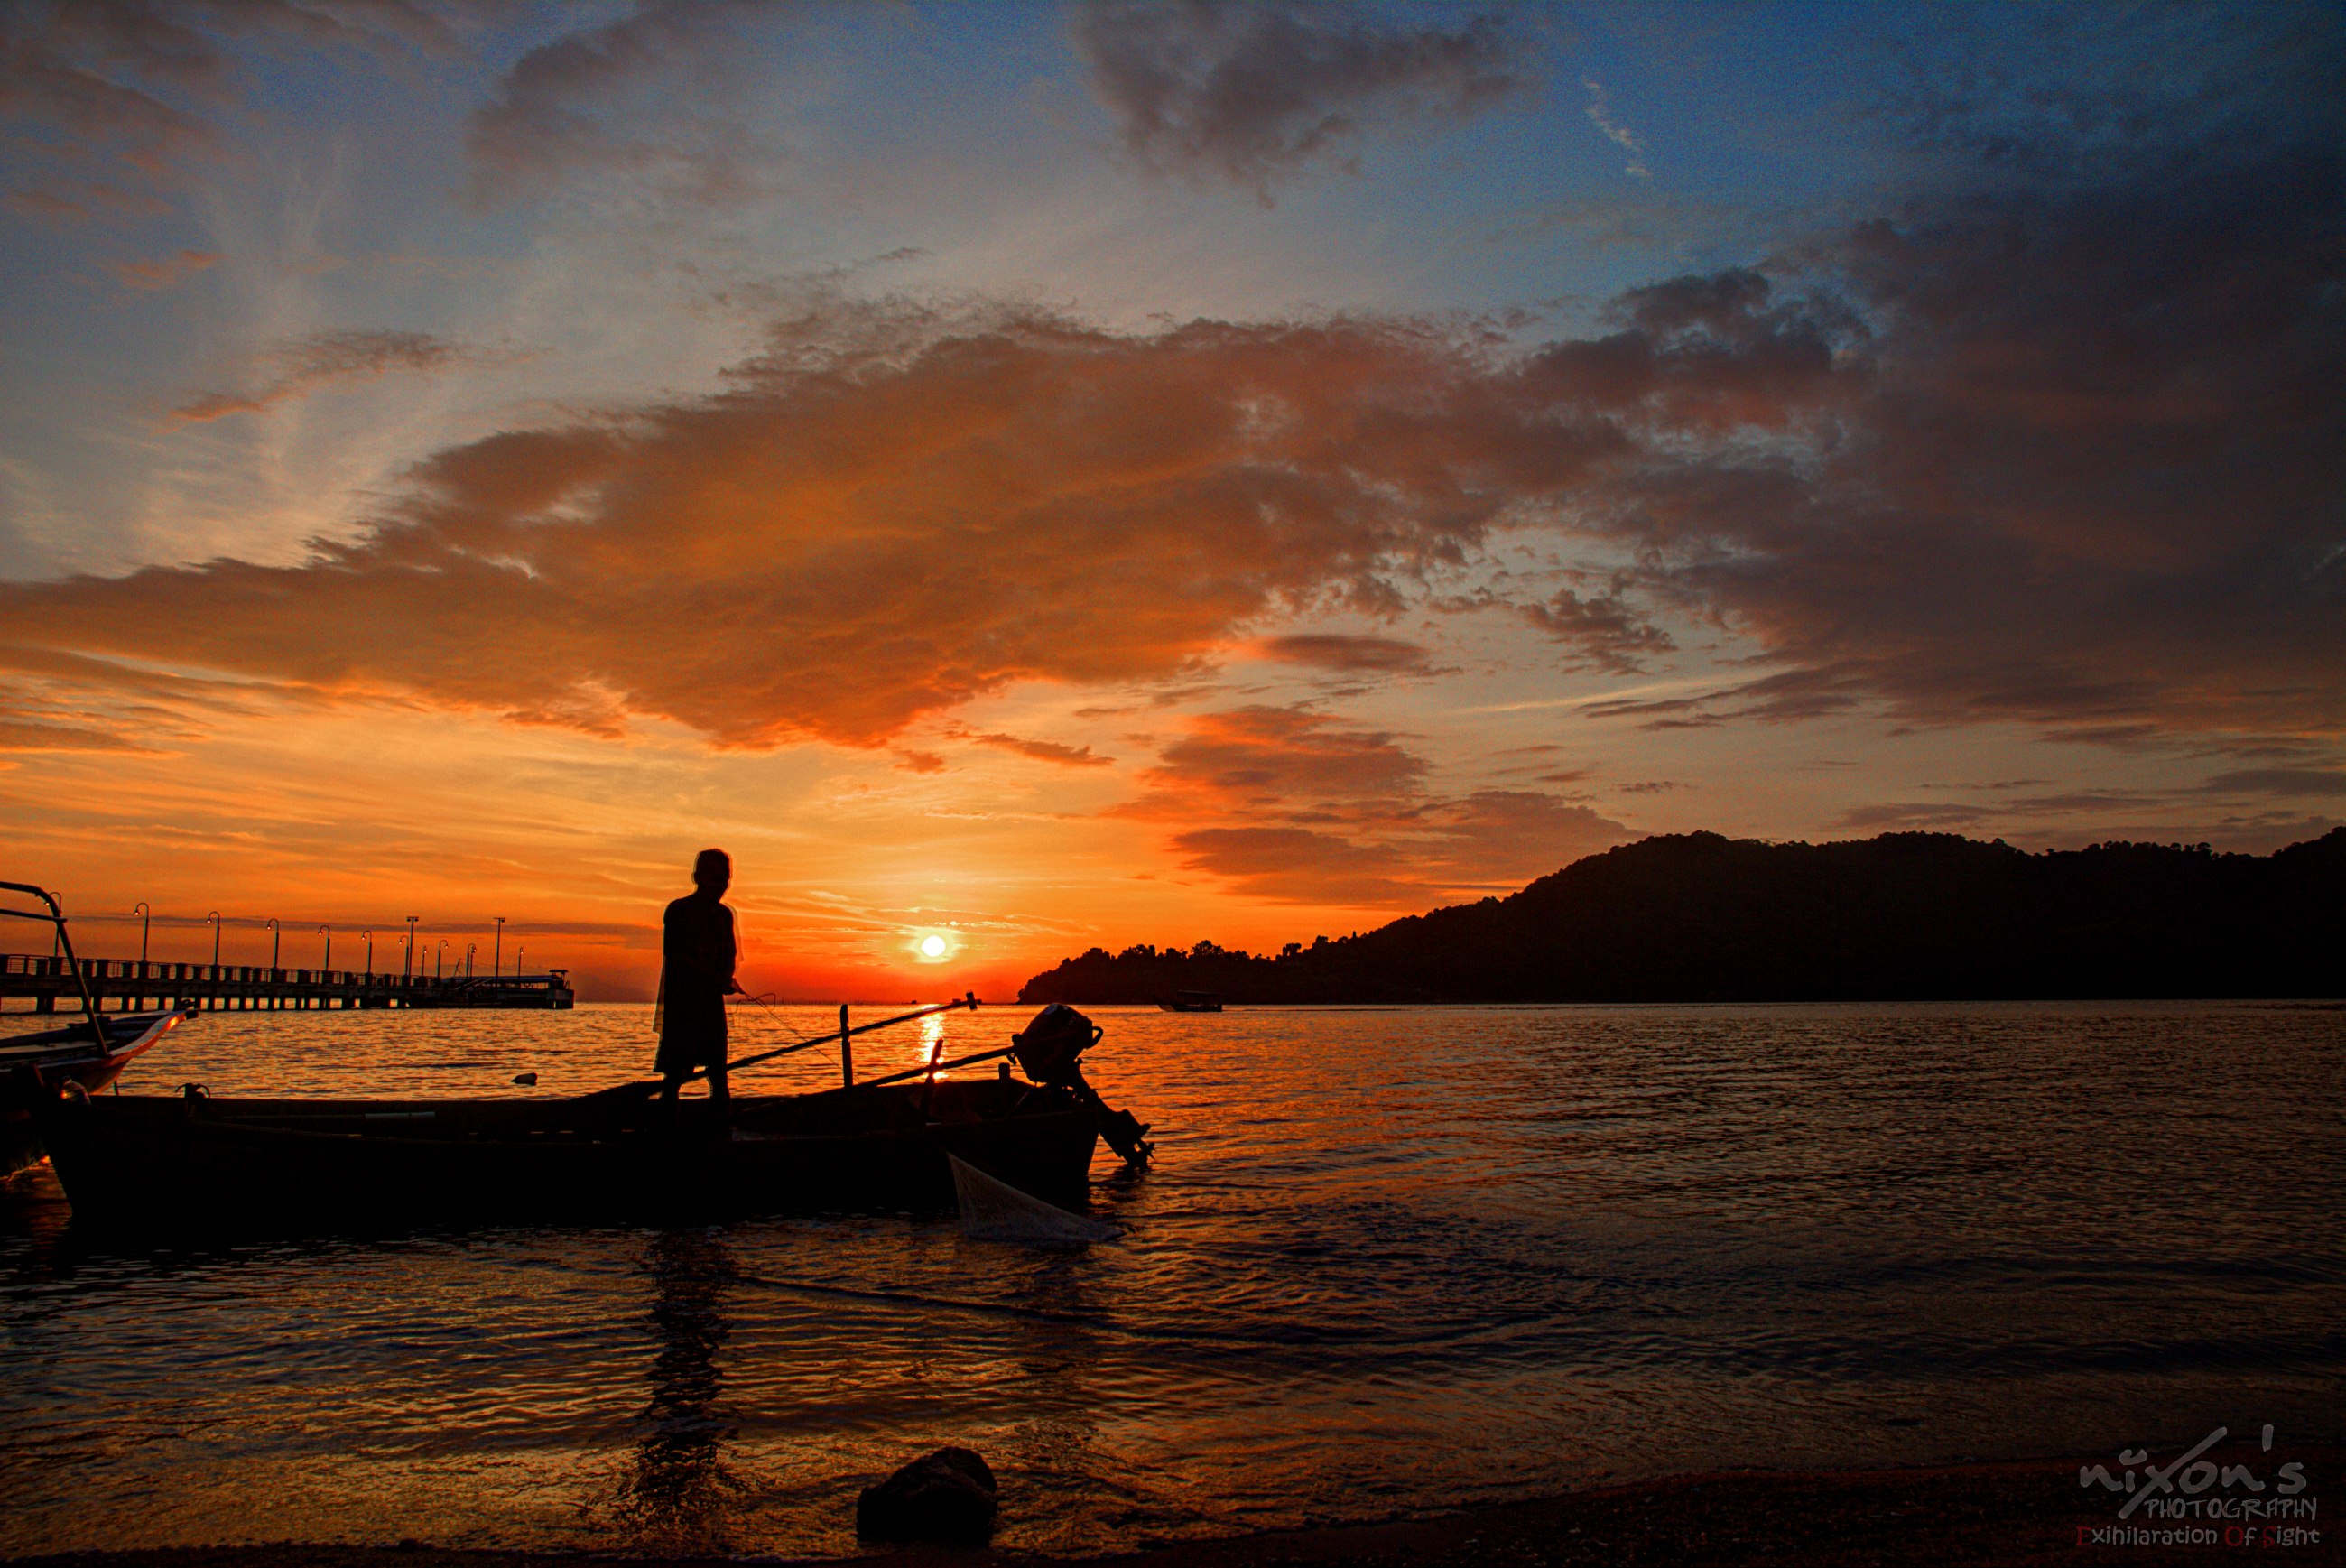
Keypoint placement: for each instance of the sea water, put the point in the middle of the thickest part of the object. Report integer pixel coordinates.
(1387, 1259)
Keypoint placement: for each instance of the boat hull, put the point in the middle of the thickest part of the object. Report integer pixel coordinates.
(148, 1162)
(33, 1065)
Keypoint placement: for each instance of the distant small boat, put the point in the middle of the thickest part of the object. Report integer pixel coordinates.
(1191, 1001)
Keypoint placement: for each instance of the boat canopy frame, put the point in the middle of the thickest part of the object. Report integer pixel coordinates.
(55, 915)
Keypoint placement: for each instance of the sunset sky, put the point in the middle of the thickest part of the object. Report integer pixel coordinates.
(1052, 476)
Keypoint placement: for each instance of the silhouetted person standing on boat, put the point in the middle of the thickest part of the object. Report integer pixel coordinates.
(696, 955)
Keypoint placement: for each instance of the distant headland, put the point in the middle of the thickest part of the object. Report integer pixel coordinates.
(1696, 916)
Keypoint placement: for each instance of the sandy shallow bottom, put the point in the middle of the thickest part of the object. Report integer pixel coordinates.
(2026, 1512)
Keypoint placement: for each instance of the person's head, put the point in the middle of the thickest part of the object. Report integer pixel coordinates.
(712, 871)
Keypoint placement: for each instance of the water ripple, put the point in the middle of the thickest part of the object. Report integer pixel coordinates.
(1387, 1258)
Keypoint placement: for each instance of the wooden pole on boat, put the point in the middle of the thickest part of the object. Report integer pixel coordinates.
(968, 1001)
(930, 1068)
(641, 1087)
(846, 1051)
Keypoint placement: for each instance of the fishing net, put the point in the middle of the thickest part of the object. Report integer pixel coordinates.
(994, 1210)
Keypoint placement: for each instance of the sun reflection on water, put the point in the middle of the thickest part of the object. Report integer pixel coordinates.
(932, 1042)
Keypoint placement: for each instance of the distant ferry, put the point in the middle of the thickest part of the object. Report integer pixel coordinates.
(1191, 1001)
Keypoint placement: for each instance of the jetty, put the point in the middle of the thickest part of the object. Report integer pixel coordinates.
(133, 986)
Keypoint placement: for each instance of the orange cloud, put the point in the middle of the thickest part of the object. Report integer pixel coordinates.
(1948, 479)
(1292, 807)
(1045, 750)
(73, 201)
(163, 272)
(878, 524)
(1608, 632)
(36, 735)
(1349, 654)
(1267, 757)
(47, 204)
(1491, 840)
(322, 359)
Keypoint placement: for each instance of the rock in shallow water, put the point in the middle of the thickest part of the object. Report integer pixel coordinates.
(946, 1496)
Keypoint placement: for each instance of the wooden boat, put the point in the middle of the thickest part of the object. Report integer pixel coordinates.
(36, 1067)
(196, 1160)
(1190, 1001)
(86, 1056)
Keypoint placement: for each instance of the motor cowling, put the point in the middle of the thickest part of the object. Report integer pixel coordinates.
(1050, 1051)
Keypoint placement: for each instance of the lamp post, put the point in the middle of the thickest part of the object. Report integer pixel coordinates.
(497, 959)
(369, 934)
(439, 955)
(517, 952)
(214, 918)
(328, 962)
(147, 918)
(408, 972)
(470, 948)
(276, 944)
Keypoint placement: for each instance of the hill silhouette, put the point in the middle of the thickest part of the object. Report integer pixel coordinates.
(1696, 916)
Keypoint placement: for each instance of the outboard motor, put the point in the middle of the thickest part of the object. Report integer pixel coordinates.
(1050, 1050)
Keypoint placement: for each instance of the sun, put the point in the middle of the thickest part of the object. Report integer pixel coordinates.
(933, 945)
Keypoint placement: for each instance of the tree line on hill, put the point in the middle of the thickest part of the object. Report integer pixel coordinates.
(1696, 916)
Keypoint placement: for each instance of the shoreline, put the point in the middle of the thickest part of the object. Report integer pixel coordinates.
(2022, 1512)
